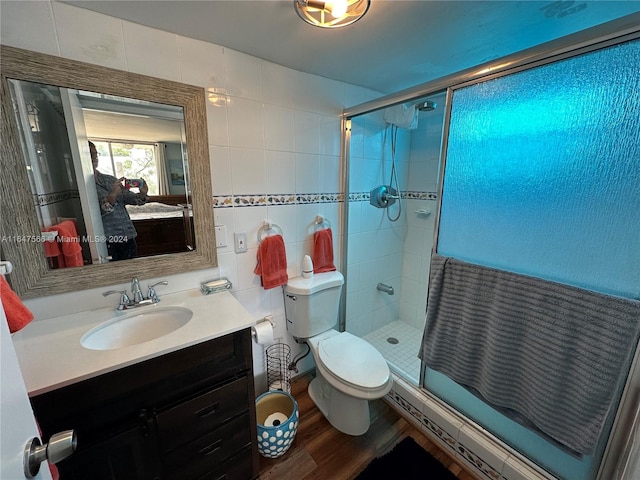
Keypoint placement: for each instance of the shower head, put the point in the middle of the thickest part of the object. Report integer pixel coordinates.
(426, 106)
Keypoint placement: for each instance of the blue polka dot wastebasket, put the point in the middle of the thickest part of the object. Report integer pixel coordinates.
(277, 416)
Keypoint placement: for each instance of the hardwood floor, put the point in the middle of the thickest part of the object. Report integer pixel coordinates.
(322, 452)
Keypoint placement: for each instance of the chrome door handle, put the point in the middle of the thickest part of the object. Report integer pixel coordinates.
(60, 446)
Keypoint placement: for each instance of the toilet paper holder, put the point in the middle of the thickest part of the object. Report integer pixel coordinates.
(268, 319)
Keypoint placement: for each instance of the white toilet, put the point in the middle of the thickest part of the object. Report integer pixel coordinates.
(349, 370)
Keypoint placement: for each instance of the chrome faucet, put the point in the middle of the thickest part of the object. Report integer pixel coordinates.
(124, 298)
(138, 299)
(151, 292)
(383, 287)
(136, 291)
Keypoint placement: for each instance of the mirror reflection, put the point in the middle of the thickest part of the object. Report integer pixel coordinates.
(109, 175)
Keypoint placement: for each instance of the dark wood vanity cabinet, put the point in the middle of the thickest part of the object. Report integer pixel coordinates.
(186, 415)
(163, 235)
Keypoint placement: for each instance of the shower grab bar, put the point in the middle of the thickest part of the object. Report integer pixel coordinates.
(266, 226)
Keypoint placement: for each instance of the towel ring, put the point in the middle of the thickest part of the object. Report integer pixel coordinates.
(321, 223)
(266, 226)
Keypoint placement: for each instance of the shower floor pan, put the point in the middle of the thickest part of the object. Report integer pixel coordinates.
(399, 343)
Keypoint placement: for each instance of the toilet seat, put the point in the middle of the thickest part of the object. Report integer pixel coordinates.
(353, 361)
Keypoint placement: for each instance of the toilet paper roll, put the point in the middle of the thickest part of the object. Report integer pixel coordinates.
(275, 419)
(262, 333)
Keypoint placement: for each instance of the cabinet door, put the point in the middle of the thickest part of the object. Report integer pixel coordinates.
(129, 455)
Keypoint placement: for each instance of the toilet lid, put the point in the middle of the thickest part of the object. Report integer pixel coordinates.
(354, 360)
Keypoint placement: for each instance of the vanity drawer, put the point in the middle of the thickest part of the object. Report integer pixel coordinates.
(238, 467)
(198, 416)
(209, 454)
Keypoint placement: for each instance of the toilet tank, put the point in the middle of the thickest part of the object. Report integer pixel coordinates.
(311, 304)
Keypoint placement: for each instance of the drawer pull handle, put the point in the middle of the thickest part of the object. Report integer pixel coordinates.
(209, 410)
(209, 449)
(222, 477)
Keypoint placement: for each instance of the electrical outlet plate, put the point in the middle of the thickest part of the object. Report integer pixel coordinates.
(240, 242)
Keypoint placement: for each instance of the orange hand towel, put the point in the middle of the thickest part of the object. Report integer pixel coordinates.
(323, 251)
(18, 316)
(71, 248)
(52, 249)
(272, 262)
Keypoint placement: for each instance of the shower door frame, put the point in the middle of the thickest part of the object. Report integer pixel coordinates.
(611, 33)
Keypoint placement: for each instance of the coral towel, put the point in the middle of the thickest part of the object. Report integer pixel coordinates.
(323, 251)
(70, 243)
(272, 262)
(52, 249)
(18, 316)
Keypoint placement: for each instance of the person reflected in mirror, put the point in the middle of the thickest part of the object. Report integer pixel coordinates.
(114, 195)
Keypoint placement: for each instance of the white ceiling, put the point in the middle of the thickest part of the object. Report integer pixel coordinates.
(398, 44)
(105, 125)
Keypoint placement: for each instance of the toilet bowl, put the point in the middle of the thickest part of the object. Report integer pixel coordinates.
(349, 370)
(349, 373)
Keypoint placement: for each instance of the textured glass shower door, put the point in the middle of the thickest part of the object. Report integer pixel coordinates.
(542, 178)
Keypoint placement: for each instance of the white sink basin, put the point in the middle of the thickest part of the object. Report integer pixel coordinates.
(135, 328)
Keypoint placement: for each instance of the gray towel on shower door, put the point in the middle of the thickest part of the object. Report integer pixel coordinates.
(552, 354)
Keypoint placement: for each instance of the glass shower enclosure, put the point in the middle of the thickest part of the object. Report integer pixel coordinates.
(394, 211)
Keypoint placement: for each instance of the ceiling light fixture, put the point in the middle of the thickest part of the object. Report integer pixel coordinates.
(332, 13)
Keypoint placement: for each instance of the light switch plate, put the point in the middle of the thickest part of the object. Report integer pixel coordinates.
(221, 235)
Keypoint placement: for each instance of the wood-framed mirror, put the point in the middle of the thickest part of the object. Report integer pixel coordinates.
(20, 220)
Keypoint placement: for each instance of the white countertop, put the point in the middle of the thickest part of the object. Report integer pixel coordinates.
(156, 210)
(51, 355)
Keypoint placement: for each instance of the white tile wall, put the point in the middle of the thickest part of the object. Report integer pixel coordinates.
(278, 128)
(29, 25)
(382, 251)
(202, 64)
(89, 37)
(280, 174)
(151, 52)
(271, 130)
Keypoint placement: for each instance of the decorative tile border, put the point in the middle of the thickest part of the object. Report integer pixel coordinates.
(44, 199)
(438, 431)
(359, 196)
(225, 201)
(473, 459)
(249, 200)
(273, 199)
(456, 449)
(405, 195)
(420, 195)
(222, 201)
(282, 199)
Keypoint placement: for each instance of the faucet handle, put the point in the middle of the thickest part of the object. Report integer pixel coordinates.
(124, 298)
(151, 293)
